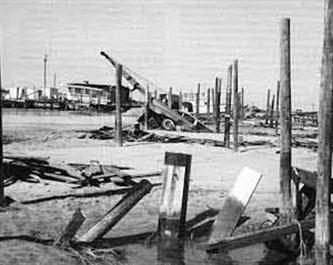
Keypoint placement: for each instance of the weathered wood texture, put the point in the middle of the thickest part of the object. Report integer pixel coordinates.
(277, 110)
(172, 213)
(235, 204)
(228, 108)
(118, 122)
(217, 103)
(268, 106)
(2, 190)
(272, 112)
(170, 98)
(208, 100)
(285, 117)
(197, 101)
(257, 237)
(236, 103)
(325, 128)
(74, 225)
(117, 212)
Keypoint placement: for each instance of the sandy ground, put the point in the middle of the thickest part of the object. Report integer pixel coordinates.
(213, 171)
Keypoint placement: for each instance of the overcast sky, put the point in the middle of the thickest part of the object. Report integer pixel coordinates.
(171, 43)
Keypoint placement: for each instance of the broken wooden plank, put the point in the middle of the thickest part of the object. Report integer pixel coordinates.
(71, 229)
(261, 236)
(117, 212)
(172, 216)
(235, 204)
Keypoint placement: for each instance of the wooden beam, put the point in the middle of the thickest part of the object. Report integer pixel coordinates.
(242, 104)
(118, 122)
(228, 108)
(180, 107)
(147, 101)
(325, 128)
(217, 103)
(236, 103)
(268, 106)
(197, 104)
(235, 204)
(74, 225)
(277, 107)
(208, 100)
(257, 237)
(272, 112)
(117, 212)
(172, 216)
(285, 118)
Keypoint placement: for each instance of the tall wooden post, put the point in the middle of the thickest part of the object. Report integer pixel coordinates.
(155, 94)
(45, 62)
(277, 107)
(208, 100)
(218, 84)
(268, 106)
(170, 98)
(235, 109)
(242, 104)
(197, 105)
(172, 216)
(213, 102)
(323, 198)
(118, 124)
(228, 108)
(2, 191)
(285, 117)
(147, 101)
(180, 106)
(272, 112)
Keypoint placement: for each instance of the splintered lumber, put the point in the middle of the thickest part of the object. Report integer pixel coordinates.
(285, 117)
(118, 123)
(172, 215)
(323, 198)
(257, 237)
(117, 212)
(71, 229)
(235, 204)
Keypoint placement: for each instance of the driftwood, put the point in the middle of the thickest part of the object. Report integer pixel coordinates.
(112, 217)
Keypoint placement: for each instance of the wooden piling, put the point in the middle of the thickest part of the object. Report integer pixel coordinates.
(242, 104)
(208, 101)
(180, 105)
(285, 118)
(170, 98)
(147, 101)
(218, 84)
(2, 190)
(155, 94)
(213, 102)
(267, 106)
(197, 104)
(45, 63)
(118, 122)
(228, 108)
(277, 107)
(235, 109)
(271, 116)
(172, 215)
(325, 128)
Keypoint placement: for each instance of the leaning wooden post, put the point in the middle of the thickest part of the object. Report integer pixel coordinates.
(272, 112)
(285, 118)
(228, 108)
(267, 106)
(218, 84)
(2, 190)
(170, 98)
(235, 109)
(147, 101)
(118, 124)
(323, 198)
(113, 216)
(277, 107)
(172, 216)
(208, 100)
(197, 105)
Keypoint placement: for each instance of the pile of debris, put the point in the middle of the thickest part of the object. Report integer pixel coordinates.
(135, 134)
(37, 170)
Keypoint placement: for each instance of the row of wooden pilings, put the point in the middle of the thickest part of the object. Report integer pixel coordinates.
(323, 203)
